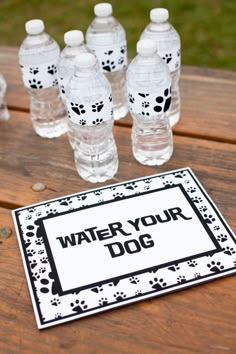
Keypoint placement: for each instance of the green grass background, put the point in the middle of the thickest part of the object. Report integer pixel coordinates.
(207, 27)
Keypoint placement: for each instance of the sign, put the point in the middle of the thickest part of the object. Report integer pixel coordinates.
(121, 243)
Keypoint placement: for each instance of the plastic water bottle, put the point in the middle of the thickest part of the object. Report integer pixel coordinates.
(168, 48)
(149, 94)
(74, 46)
(107, 39)
(90, 110)
(38, 57)
(4, 113)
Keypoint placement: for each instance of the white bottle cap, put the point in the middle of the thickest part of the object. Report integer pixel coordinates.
(85, 60)
(73, 38)
(159, 15)
(146, 47)
(34, 26)
(103, 9)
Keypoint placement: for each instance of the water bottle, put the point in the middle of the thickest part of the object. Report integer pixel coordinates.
(107, 39)
(38, 57)
(4, 113)
(74, 46)
(90, 111)
(149, 95)
(168, 48)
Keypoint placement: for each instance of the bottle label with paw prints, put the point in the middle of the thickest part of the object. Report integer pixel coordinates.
(149, 104)
(90, 113)
(40, 76)
(111, 57)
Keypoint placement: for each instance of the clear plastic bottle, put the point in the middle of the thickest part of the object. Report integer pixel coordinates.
(169, 49)
(149, 95)
(89, 105)
(4, 113)
(107, 39)
(38, 58)
(74, 46)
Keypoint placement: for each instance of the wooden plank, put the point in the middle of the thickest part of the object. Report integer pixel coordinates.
(26, 159)
(207, 96)
(186, 322)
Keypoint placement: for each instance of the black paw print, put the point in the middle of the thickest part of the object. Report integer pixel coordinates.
(192, 263)
(157, 284)
(179, 174)
(62, 88)
(39, 241)
(97, 107)
(229, 250)
(181, 279)
(65, 202)
(123, 49)
(57, 315)
(174, 267)
(118, 196)
(215, 267)
(44, 260)
(108, 65)
(82, 197)
(103, 301)
(131, 98)
(51, 212)
(167, 58)
(52, 69)
(203, 208)
(55, 82)
(168, 184)
(77, 108)
(82, 122)
(41, 252)
(216, 228)
(166, 99)
(99, 192)
(79, 306)
(131, 185)
(209, 219)
(30, 253)
(134, 280)
(35, 84)
(34, 71)
(97, 121)
(191, 190)
(197, 200)
(110, 98)
(143, 94)
(55, 302)
(119, 296)
(145, 104)
(121, 60)
(222, 238)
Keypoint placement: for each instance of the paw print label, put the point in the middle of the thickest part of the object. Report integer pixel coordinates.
(90, 113)
(40, 76)
(149, 104)
(111, 55)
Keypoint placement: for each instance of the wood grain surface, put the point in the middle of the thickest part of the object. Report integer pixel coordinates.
(201, 319)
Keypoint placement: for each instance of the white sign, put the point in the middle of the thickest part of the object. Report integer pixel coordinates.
(118, 244)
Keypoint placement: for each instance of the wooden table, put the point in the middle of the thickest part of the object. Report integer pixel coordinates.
(201, 319)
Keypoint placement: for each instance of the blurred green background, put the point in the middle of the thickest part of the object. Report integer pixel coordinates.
(206, 27)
